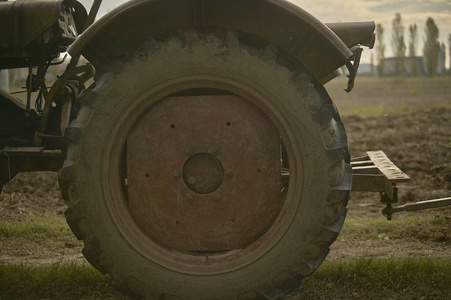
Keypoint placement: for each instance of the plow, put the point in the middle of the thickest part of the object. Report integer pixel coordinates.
(197, 149)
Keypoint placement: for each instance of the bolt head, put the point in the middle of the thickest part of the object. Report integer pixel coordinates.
(214, 150)
(188, 151)
(229, 173)
(192, 180)
(190, 197)
(176, 174)
(217, 196)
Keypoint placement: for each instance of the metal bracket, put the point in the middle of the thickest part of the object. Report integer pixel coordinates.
(74, 81)
(375, 172)
(352, 68)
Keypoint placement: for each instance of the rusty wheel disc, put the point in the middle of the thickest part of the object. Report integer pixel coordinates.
(204, 173)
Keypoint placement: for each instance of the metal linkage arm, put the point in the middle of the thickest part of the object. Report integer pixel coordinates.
(14, 160)
(389, 210)
(375, 172)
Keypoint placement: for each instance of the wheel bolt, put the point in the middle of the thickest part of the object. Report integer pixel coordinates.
(188, 151)
(229, 173)
(214, 150)
(190, 197)
(217, 196)
(192, 180)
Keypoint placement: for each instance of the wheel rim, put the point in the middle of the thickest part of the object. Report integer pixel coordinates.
(213, 257)
(204, 173)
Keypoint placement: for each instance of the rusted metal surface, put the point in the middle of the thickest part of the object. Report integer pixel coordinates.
(204, 173)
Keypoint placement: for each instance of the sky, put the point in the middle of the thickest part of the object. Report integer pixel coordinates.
(379, 11)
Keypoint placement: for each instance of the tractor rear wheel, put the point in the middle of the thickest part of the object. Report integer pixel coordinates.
(201, 167)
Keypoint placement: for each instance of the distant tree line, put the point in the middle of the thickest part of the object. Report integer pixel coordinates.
(431, 47)
(449, 48)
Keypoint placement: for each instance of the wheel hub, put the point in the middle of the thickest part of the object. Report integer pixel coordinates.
(204, 173)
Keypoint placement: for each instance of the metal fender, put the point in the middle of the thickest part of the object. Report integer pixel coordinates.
(278, 22)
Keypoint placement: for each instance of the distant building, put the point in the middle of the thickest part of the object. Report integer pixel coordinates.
(366, 69)
(413, 66)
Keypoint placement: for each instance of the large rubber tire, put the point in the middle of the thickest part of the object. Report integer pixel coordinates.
(313, 209)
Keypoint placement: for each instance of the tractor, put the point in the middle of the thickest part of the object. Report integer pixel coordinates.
(197, 149)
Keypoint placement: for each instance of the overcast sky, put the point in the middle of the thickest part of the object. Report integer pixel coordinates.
(380, 11)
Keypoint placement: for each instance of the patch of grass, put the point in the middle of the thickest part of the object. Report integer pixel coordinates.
(57, 281)
(48, 227)
(37, 237)
(419, 227)
(410, 278)
(387, 110)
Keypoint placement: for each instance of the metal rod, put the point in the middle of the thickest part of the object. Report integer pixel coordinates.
(92, 14)
(29, 87)
(88, 22)
(43, 153)
(418, 206)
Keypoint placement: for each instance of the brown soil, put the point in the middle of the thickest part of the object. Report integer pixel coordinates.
(31, 194)
(35, 195)
(413, 127)
(418, 141)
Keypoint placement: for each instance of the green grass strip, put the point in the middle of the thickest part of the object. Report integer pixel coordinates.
(37, 226)
(416, 227)
(58, 281)
(409, 278)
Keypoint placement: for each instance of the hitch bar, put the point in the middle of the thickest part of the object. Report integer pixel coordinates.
(14, 160)
(375, 172)
(389, 210)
